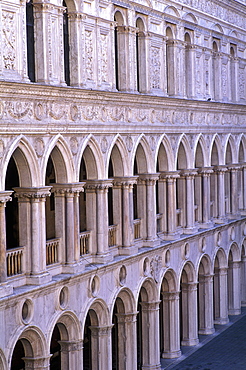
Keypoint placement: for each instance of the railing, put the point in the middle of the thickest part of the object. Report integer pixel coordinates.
(179, 215)
(158, 222)
(84, 242)
(137, 228)
(112, 232)
(14, 261)
(52, 251)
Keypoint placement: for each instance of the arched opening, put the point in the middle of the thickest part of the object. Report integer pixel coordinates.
(119, 48)
(139, 333)
(17, 362)
(234, 280)
(232, 73)
(188, 65)
(243, 276)
(170, 63)
(199, 186)
(181, 188)
(214, 183)
(30, 41)
(220, 290)
(50, 214)
(228, 190)
(87, 354)
(66, 45)
(216, 71)
(12, 211)
(55, 349)
(82, 198)
(241, 180)
(141, 56)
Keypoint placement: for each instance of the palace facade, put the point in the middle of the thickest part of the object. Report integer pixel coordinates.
(122, 179)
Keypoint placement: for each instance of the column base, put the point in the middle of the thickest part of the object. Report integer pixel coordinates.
(151, 367)
(173, 354)
(221, 321)
(73, 268)
(206, 331)
(233, 216)
(39, 279)
(171, 236)
(206, 225)
(243, 303)
(151, 243)
(102, 258)
(128, 251)
(220, 220)
(190, 342)
(235, 311)
(190, 230)
(5, 290)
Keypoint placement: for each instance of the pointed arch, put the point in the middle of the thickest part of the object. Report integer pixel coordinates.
(119, 156)
(26, 162)
(183, 155)
(204, 151)
(142, 154)
(215, 156)
(164, 154)
(241, 150)
(62, 158)
(91, 151)
(230, 151)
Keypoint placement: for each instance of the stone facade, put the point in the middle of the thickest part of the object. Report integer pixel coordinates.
(123, 179)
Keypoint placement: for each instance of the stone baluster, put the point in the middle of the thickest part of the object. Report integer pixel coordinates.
(5, 289)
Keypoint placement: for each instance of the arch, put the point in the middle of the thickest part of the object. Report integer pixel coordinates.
(221, 258)
(234, 250)
(230, 151)
(71, 5)
(26, 162)
(234, 279)
(148, 291)
(62, 159)
(218, 28)
(165, 142)
(3, 362)
(183, 157)
(216, 151)
(141, 60)
(169, 33)
(143, 156)
(93, 159)
(204, 265)
(215, 46)
(128, 301)
(162, 160)
(33, 341)
(169, 281)
(119, 17)
(189, 273)
(140, 23)
(99, 313)
(233, 33)
(201, 153)
(119, 156)
(241, 156)
(69, 325)
(171, 10)
(190, 18)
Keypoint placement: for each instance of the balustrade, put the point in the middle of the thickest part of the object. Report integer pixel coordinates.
(112, 235)
(84, 242)
(137, 226)
(14, 262)
(52, 251)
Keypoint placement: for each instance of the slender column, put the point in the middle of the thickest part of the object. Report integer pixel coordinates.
(190, 209)
(171, 326)
(206, 217)
(206, 320)
(171, 215)
(243, 281)
(234, 295)
(189, 314)
(244, 188)
(220, 170)
(71, 354)
(101, 188)
(101, 347)
(173, 67)
(34, 196)
(5, 196)
(91, 211)
(221, 312)
(150, 336)
(75, 52)
(127, 339)
(36, 363)
(150, 220)
(234, 191)
(123, 57)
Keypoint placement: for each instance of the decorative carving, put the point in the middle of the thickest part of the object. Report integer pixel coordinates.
(74, 145)
(9, 39)
(104, 144)
(155, 267)
(88, 55)
(155, 67)
(129, 143)
(39, 146)
(2, 147)
(103, 68)
(74, 112)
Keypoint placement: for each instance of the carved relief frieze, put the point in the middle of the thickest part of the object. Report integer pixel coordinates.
(9, 39)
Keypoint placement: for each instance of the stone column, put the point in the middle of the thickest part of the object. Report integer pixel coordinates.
(127, 341)
(220, 170)
(123, 57)
(243, 281)
(173, 68)
(244, 188)
(37, 251)
(71, 354)
(75, 50)
(150, 336)
(67, 224)
(35, 363)
(150, 219)
(190, 209)
(234, 191)
(171, 325)
(144, 78)
(189, 314)
(221, 307)
(206, 216)
(171, 204)
(101, 347)
(5, 290)
(234, 294)
(205, 314)
(101, 189)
